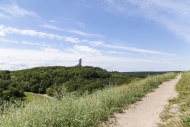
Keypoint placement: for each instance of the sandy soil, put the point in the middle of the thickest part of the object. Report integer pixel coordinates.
(145, 113)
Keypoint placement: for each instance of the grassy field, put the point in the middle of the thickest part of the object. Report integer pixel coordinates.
(80, 111)
(177, 113)
(30, 97)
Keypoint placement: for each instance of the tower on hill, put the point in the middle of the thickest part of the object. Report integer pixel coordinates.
(79, 63)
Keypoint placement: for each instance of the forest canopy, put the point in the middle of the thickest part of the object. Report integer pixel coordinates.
(13, 84)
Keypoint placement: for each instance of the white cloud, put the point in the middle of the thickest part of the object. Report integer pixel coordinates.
(85, 50)
(116, 52)
(42, 44)
(72, 39)
(77, 32)
(52, 27)
(9, 30)
(89, 50)
(50, 49)
(14, 59)
(6, 40)
(2, 33)
(16, 11)
(31, 55)
(134, 49)
(96, 43)
(174, 15)
(34, 43)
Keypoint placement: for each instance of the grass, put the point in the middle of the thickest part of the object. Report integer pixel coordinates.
(182, 117)
(32, 97)
(81, 111)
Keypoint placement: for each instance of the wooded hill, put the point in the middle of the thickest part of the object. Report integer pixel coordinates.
(45, 79)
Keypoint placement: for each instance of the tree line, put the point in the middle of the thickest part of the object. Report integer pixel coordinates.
(46, 79)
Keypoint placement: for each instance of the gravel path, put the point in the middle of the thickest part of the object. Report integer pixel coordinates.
(145, 113)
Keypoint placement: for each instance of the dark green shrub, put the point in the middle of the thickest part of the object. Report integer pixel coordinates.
(49, 91)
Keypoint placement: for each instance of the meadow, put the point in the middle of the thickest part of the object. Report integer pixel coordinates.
(74, 110)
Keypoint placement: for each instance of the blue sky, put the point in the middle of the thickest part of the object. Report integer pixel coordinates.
(117, 35)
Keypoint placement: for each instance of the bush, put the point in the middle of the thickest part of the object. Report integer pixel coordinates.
(49, 91)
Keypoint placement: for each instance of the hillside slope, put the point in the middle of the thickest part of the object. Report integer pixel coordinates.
(43, 79)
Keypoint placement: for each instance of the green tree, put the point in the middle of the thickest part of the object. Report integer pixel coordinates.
(49, 91)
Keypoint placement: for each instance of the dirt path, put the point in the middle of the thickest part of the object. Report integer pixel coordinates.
(145, 113)
(44, 95)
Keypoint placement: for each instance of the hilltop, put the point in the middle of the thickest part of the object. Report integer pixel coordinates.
(47, 79)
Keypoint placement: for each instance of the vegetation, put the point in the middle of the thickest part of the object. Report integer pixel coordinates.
(80, 111)
(145, 74)
(8, 89)
(49, 91)
(80, 79)
(177, 113)
(47, 79)
(30, 97)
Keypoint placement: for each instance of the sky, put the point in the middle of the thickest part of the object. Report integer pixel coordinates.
(117, 35)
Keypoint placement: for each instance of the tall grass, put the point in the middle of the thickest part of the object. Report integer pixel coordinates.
(81, 111)
(182, 117)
